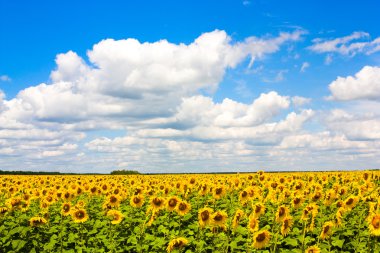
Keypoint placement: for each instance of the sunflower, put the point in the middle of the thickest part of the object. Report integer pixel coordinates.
(261, 239)
(157, 203)
(66, 209)
(116, 216)
(311, 210)
(3, 210)
(287, 224)
(239, 214)
(282, 212)
(218, 192)
(258, 210)
(183, 208)
(204, 216)
(172, 202)
(297, 202)
(253, 223)
(79, 215)
(80, 204)
(219, 218)
(137, 201)
(114, 200)
(203, 190)
(313, 249)
(327, 230)
(176, 244)
(374, 224)
(37, 221)
(350, 202)
(339, 215)
(243, 197)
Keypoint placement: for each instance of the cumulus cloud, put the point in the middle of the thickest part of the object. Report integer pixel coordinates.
(299, 101)
(347, 45)
(355, 126)
(364, 85)
(144, 89)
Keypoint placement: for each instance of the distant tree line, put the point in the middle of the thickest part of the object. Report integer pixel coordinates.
(125, 172)
(21, 172)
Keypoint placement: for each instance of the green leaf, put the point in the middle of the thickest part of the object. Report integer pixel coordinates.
(291, 242)
(338, 243)
(18, 244)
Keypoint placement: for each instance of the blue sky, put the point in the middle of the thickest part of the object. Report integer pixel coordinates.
(189, 86)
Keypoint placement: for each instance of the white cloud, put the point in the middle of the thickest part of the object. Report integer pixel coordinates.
(347, 45)
(134, 87)
(364, 85)
(299, 101)
(5, 78)
(355, 126)
(304, 66)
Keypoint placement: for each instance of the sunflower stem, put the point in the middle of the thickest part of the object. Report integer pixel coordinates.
(303, 236)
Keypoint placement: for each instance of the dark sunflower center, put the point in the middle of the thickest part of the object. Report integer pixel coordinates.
(182, 206)
(157, 202)
(172, 202)
(205, 215)
(113, 199)
(260, 237)
(244, 194)
(296, 201)
(257, 209)
(376, 222)
(286, 224)
(218, 217)
(326, 229)
(136, 200)
(177, 244)
(80, 214)
(66, 208)
(218, 191)
(281, 211)
(350, 201)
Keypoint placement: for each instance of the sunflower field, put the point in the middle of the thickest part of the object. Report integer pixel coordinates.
(258, 212)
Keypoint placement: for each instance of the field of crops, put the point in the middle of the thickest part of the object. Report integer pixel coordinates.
(260, 212)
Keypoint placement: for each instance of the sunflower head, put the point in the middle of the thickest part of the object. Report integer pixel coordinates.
(116, 216)
(313, 249)
(253, 223)
(287, 224)
(282, 212)
(374, 224)
(172, 203)
(114, 200)
(218, 192)
(204, 216)
(37, 221)
(258, 210)
(79, 215)
(219, 218)
(137, 201)
(176, 244)
(157, 203)
(261, 239)
(327, 230)
(183, 208)
(66, 209)
(239, 214)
